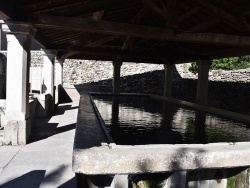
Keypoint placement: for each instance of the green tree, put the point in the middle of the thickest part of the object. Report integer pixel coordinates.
(231, 63)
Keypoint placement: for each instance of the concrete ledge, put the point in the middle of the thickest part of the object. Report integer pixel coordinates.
(159, 158)
(93, 155)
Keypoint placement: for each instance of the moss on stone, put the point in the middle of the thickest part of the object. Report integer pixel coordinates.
(231, 182)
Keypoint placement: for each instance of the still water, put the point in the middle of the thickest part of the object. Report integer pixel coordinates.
(133, 120)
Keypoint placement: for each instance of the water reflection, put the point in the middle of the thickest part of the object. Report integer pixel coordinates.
(200, 127)
(141, 120)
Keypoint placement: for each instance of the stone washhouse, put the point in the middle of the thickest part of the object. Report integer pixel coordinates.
(152, 31)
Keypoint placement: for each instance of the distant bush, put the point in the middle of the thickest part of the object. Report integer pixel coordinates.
(232, 63)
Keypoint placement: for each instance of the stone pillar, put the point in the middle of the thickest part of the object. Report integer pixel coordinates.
(48, 89)
(168, 80)
(18, 129)
(116, 76)
(58, 79)
(202, 85)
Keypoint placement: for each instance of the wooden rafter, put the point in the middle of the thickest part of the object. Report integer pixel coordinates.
(171, 13)
(8, 12)
(229, 52)
(152, 5)
(101, 41)
(189, 13)
(81, 24)
(224, 16)
(98, 15)
(127, 53)
(237, 11)
(135, 20)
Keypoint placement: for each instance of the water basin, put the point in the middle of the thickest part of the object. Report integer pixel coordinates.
(137, 120)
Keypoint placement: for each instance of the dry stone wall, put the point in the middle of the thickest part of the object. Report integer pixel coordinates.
(227, 89)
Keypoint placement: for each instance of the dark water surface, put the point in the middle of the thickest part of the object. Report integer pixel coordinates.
(133, 120)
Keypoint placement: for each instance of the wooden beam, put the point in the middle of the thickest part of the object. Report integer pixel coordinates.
(129, 53)
(86, 25)
(224, 16)
(150, 4)
(130, 59)
(136, 19)
(98, 15)
(189, 13)
(94, 6)
(54, 8)
(237, 11)
(229, 52)
(101, 41)
(205, 25)
(171, 13)
(9, 11)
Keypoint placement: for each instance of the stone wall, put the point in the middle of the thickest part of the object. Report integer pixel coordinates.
(227, 89)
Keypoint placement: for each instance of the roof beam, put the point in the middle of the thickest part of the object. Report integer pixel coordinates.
(171, 13)
(150, 4)
(102, 41)
(8, 11)
(86, 25)
(158, 54)
(229, 52)
(189, 13)
(135, 20)
(224, 16)
(98, 15)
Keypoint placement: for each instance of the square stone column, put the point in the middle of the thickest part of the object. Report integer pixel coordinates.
(18, 129)
(116, 76)
(168, 80)
(47, 99)
(202, 85)
(58, 79)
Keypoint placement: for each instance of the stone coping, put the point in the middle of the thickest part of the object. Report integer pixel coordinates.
(114, 159)
(93, 154)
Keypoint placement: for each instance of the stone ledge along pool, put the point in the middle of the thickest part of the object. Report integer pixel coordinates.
(139, 120)
(191, 149)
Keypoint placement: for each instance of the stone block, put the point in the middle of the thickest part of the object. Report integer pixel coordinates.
(17, 132)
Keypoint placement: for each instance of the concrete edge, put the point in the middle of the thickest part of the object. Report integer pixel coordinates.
(118, 159)
(154, 158)
(102, 123)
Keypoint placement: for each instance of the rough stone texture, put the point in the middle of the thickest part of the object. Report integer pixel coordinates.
(160, 158)
(149, 78)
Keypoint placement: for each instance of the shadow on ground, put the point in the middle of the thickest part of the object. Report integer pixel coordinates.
(42, 129)
(35, 178)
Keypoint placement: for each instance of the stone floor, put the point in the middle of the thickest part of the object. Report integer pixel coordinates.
(47, 160)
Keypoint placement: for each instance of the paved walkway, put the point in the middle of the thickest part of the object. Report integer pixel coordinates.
(47, 160)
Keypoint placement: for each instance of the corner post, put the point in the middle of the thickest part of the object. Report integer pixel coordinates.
(18, 125)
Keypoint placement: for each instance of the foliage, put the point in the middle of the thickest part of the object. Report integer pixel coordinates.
(231, 63)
